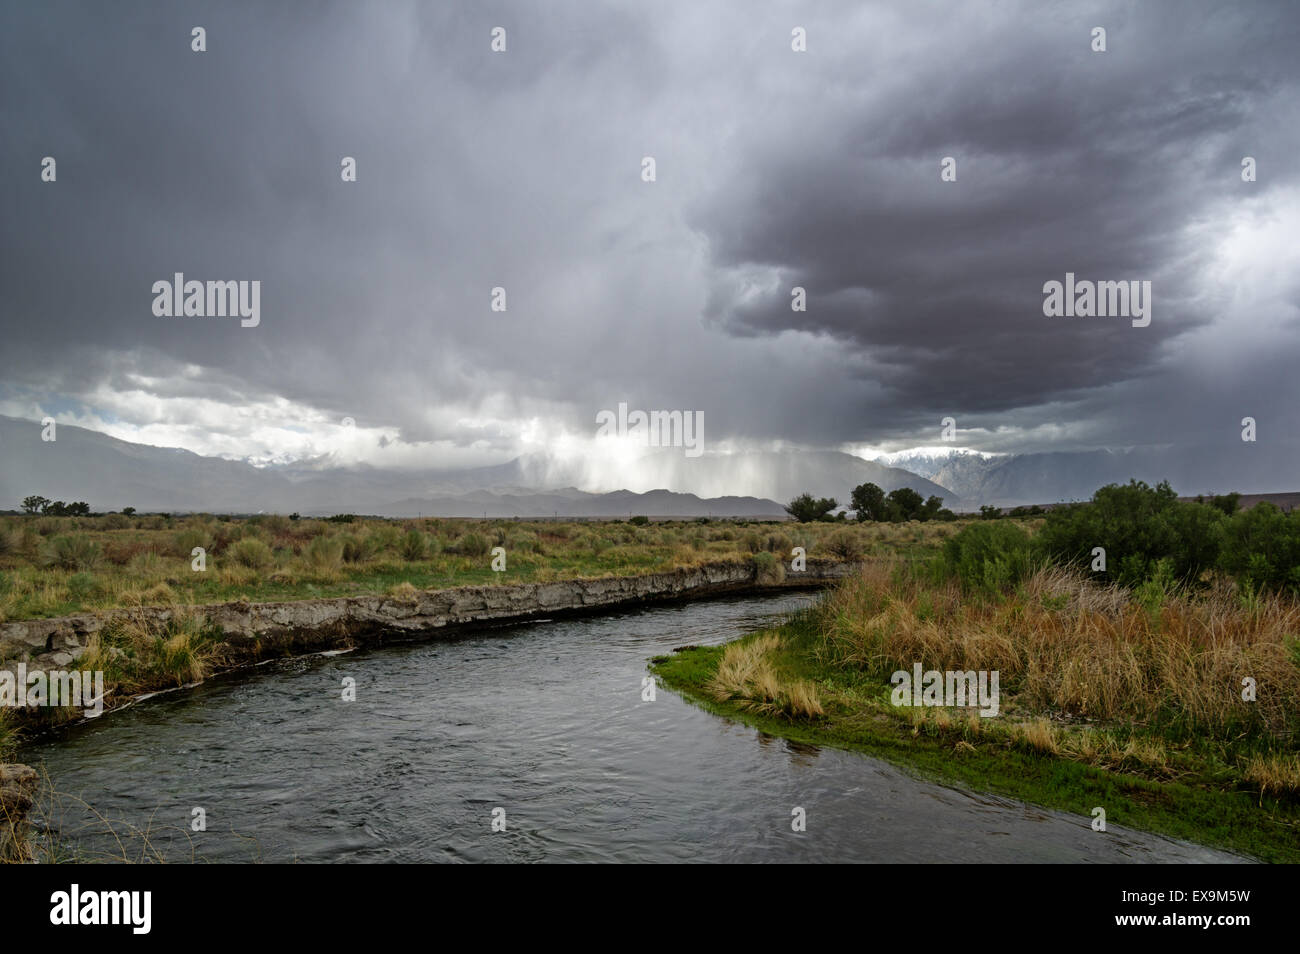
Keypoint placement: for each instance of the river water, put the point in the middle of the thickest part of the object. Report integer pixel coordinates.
(546, 723)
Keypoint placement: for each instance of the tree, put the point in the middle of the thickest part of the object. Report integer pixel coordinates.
(805, 508)
(905, 504)
(931, 508)
(990, 512)
(869, 501)
(128, 511)
(35, 504)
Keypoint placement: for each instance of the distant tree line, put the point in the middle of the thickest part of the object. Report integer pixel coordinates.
(870, 502)
(56, 508)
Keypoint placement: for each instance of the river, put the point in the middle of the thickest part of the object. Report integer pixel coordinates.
(545, 721)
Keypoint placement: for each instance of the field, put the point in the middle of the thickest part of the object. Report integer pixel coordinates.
(54, 566)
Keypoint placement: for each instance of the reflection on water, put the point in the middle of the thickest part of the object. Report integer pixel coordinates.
(544, 721)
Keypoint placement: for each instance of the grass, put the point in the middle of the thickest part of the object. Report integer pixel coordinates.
(56, 566)
(1108, 698)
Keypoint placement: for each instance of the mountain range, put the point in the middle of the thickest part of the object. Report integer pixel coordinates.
(109, 474)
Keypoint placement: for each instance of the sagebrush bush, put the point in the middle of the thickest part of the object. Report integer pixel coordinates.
(767, 568)
(414, 546)
(186, 540)
(845, 544)
(325, 553)
(358, 548)
(74, 551)
(252, 553)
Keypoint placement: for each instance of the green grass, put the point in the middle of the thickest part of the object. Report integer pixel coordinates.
(1194, 790)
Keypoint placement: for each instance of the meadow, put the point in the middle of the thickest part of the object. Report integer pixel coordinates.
(55, 566)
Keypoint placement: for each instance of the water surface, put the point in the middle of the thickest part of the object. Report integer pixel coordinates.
(545, 721)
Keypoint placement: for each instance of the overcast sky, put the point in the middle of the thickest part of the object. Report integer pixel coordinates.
(775, 168)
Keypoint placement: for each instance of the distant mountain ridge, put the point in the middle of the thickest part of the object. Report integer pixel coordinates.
(1043, 478)
(109, 474)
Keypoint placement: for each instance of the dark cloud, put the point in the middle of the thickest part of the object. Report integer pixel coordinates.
(775, 169)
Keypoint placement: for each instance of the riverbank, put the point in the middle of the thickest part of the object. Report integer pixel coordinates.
(1168, 754)
(149, 648)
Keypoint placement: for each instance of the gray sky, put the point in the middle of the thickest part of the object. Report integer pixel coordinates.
(522, 170)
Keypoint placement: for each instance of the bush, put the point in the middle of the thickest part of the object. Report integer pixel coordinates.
(767, 568)
(74, 551)
(1261, 547)
(385, 537)
(474, 545)
(988, 557)
(845, 545)
(639, 521)
(83, 586)
(524, 542)
(186, 540)
(414, 547)
(325, 553)
(776, 543)
(357, 548)
(1138, 526)
(253, 553)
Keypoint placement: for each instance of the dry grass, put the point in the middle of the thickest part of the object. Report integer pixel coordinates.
(1274, 774)
(1065, 646)
(747, 675)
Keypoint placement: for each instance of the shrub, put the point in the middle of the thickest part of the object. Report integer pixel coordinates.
(474, 545)
(83, 586)
(524, 542)
(767, 568)
(845, 545)
(186, 540)
(252, 553)
(1261, 547)
(325, 553)
(776, 543)
(74, 551)
(988, 556)
(385, 537)
(357, 548)
(414, 547)
(1138, 526)
(639, 521)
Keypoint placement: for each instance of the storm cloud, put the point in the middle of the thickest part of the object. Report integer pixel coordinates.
(522, 170)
